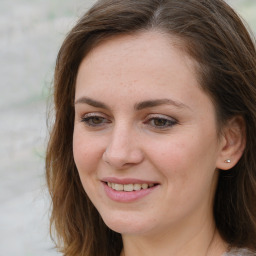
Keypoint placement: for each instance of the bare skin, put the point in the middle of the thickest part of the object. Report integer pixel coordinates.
(140, 114)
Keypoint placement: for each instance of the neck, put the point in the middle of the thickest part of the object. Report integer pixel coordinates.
(204, 241)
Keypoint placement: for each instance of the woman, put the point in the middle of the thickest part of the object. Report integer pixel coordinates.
(153, 147)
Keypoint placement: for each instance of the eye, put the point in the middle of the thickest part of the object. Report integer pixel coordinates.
(161, 122)
(94, 120)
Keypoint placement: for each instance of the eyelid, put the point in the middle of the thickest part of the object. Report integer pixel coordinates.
(170, 121)
(94, 114)
(161, 116)
(86, 118)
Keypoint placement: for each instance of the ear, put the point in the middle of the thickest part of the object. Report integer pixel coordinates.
(232, 144)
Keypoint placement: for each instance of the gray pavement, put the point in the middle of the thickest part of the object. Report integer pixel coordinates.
(31, 32)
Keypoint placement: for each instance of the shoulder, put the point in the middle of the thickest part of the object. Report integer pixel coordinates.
(240, 252)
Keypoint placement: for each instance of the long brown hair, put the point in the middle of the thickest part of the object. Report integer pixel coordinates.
(213, 34)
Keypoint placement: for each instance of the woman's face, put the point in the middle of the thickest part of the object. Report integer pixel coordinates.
(141, 118)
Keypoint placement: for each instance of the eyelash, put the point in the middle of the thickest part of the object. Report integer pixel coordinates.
(167, 122)
(88, 119)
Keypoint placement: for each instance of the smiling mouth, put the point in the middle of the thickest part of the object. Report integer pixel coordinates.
(130, 187)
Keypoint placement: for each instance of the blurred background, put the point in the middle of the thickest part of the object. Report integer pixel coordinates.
(31, 32)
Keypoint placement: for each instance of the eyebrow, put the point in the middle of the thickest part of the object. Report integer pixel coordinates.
(158, 102)
(91, 102)
(137, 106)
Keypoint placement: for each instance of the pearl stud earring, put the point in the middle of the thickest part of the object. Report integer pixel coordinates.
(227, 161)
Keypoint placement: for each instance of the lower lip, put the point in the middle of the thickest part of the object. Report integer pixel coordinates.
(125, 197)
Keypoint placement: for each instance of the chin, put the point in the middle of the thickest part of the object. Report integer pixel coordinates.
(123, 224)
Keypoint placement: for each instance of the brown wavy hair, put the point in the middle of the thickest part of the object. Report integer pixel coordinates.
(215, 37)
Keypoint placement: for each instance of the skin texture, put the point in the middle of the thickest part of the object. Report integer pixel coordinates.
(174, 144)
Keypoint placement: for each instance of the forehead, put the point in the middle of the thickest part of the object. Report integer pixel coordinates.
(127, 70)
(125, 53)
(139, 67)
(154, 44)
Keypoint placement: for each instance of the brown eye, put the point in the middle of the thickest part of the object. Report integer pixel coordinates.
(94, 121)
(159, 122)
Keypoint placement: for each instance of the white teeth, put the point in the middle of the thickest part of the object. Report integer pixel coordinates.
(144, 186)
(119, 187)
(129, 187)
(137, 187)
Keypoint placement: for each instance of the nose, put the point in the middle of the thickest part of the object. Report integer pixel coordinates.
(123, 149)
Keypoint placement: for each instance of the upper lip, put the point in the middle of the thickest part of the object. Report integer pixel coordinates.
(127, 181)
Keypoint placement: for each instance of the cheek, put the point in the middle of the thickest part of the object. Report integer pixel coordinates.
(170, 156)
(184, 159)
(87, 156)
(79, 151)
(187, 174)
(87, 152)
